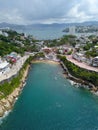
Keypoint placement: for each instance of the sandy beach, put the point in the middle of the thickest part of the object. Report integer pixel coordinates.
(45, 61)
(7, 103)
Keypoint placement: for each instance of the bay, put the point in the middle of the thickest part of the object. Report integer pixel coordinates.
(50, 102)
(43, 33)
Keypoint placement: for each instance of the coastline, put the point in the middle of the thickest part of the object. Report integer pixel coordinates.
(79, 82)
(75, 81)
(6, 104)
(46, 61)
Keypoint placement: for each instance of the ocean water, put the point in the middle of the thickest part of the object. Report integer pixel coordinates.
(50, 102)
(43, 33)
(48, 32)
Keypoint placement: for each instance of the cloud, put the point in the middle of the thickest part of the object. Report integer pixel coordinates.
(11, 16)
(47, 11)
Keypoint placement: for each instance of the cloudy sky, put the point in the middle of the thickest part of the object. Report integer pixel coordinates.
(48, 11)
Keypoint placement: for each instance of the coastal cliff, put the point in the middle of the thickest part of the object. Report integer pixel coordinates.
(9, 91)
(86, 78)
(7, 103)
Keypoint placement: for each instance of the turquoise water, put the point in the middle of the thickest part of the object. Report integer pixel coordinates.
(50, 102)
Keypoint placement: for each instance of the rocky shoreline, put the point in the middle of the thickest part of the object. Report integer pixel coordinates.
(7, 103)
(79, 82)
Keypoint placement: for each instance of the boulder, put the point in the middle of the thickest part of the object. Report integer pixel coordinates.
(11, 99)
(1, 111)
(6, 104)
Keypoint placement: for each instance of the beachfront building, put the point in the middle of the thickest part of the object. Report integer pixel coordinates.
(51, 56)
(46, 50)
(4, 67)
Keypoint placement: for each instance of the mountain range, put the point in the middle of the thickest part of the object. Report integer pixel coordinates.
(15, 26)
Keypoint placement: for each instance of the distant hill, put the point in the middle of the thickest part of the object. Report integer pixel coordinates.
(12, 26)
(64, 24)
(15, 26)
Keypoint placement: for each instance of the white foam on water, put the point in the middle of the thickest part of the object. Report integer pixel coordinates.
(5, 115)
(77, 85)
(7, 112)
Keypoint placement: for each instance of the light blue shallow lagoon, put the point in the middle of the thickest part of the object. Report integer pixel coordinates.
(50, 102)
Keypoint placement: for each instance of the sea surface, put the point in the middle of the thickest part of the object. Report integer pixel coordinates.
(43, 33)
(48, 32)
(49, 102)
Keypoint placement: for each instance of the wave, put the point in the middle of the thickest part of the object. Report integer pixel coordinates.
(5, 115)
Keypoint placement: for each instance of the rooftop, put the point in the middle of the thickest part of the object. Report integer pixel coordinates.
(3, 64)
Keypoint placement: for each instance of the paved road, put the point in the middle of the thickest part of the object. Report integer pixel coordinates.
(15, 68)
(81, 64)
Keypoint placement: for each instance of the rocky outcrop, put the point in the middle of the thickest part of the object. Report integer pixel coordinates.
(2, 110)
(80, 82)
(7, 103)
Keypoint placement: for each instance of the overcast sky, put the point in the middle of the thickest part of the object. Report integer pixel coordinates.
(48, 11)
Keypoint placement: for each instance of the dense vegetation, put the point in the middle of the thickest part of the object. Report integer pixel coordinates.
(78, 72)
(8, 87)
(91, 51)
(66, 39)
(16, 42)
(6, 48)
(39, 55)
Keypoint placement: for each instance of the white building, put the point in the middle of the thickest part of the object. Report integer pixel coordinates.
(78, 57)
(4, 67)
(72, 30)
(5, 34)
(95, 61)
(1, 32)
